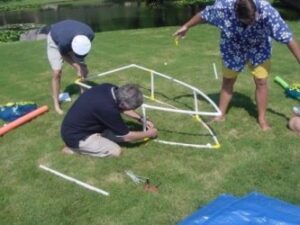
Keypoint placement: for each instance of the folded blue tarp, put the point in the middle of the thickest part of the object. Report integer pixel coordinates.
(252, 209)
(14, 110)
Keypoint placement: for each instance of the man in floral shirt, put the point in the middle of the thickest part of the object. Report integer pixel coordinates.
(247, 27)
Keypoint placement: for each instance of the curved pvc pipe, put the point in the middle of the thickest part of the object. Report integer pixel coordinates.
(152, 72)
(20, 121)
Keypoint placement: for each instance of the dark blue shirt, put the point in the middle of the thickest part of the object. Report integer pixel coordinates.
(93, 112)
(63, 33)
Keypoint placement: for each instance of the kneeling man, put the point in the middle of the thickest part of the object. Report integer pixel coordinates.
(94, 125)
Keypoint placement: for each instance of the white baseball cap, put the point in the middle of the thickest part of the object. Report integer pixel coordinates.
(81, 45)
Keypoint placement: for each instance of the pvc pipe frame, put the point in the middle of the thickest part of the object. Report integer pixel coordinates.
(80, 183)
(196, 112)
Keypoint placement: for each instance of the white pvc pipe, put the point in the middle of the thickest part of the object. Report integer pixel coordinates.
(82, 84)
(183, 84)
(164, 103)
(166, 77)
(216, 145)
(144, 118)
(215, 71)
(184, 144)
(85, 185)
(181, 111)
(209, 130)
(114, 70)
(195, 101)
(152, 85)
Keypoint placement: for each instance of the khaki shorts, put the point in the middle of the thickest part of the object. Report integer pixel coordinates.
(56, 60)
(260, 72)
(99, 146)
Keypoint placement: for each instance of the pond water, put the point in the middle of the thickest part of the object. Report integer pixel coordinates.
(103, 17)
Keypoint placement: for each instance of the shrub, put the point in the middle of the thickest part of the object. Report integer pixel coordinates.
(9, 35)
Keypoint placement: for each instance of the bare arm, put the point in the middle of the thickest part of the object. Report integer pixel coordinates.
(81, 68)
(150, 132)
(295, 49)
(181, 32)
(139, 135)
(133, 114)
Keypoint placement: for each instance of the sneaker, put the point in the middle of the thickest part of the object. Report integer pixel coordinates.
(66, 150)
(64, 97)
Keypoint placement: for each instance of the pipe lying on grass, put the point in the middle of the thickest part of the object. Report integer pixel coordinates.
(82, 184)
(24, 119)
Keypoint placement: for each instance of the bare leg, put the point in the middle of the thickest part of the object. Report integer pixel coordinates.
(56, 76)
(225, 97)
(261, 94)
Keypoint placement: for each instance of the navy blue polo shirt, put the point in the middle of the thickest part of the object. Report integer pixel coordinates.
(64, 31)
(93, 112)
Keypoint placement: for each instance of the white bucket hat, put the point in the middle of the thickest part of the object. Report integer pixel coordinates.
(81, 45)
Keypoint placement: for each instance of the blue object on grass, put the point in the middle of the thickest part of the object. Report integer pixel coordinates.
(252, 209)
(12, 111)
(293, 93)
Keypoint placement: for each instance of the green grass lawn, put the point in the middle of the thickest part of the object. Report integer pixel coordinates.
(248, 160)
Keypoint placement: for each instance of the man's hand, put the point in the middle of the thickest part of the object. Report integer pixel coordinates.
(181, 32)
(151, 132)
(139, 135)
(149, 124)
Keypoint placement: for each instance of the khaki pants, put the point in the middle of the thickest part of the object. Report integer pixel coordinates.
(99, 146)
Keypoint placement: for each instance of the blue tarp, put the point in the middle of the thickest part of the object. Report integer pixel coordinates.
(14, 110)
(252, 209)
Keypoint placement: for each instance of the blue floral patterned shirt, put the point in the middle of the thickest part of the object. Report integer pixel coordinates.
(239, 43)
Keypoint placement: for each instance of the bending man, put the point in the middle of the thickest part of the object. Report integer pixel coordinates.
(247, 27)
(69, 41)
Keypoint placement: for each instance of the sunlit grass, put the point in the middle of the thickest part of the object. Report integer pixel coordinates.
(188, 178)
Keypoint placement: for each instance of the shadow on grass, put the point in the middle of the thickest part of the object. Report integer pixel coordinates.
(135, 144)
(239, 100)
(74, 89)
(184, 133)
